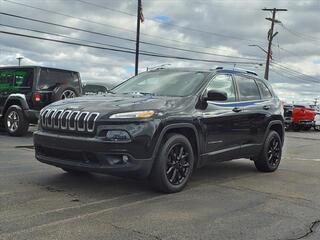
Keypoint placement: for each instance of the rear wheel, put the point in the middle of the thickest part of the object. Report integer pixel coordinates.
(296, 127)
(63, 92)
(174, 164)
(317, 128)
(15, 122)
(307, 128)
(270, 156)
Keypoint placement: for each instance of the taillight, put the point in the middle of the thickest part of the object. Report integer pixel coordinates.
(37, 97)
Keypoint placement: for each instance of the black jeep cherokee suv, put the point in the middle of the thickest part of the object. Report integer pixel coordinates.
(24, 91)
(163, 124)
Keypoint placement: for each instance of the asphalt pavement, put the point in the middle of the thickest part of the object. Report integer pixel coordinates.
(228, 200)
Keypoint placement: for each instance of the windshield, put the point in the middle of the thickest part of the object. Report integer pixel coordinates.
(163, 83)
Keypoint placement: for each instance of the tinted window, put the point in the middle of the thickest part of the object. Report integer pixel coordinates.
(6, 79)
(52, 78)
(223, 83)
(163, 83)
(248, 89)
(23, 78)
(94, 89)
(264, 90)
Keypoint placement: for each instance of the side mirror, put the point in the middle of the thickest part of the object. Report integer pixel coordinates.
(214, 95)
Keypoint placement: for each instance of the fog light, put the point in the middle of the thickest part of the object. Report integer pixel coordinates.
(125, 158)
(117, 136)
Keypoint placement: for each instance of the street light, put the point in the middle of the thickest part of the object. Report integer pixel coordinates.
(255, 45)
(19, 60)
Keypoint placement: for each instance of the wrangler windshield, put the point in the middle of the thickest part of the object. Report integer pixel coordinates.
(163, 83)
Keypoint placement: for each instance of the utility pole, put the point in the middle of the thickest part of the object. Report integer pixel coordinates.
(19, 60)
(271, 35)
(139, 12)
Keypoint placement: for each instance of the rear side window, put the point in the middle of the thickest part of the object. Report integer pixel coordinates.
(264, 90)
(248, 89)
(52, 78)
(223, 83)
(6, 79)
(23, 78)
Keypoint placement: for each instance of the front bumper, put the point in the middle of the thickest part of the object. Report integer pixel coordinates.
(306, 123)
(92, 154)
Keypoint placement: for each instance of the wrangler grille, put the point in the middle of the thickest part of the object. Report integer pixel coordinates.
(68, 120)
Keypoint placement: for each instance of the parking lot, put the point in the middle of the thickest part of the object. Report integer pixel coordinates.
(222, 201)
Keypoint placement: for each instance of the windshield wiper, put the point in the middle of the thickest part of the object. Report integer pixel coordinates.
(140, 93)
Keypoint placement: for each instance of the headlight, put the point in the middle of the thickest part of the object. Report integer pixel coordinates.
(139, 114)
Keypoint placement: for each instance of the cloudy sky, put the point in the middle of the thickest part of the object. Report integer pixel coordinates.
(209, 28)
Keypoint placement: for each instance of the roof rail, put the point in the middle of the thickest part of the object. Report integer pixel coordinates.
(251, 72)
(239, 69)
(159, 67)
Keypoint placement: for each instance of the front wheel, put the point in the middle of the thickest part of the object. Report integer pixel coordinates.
(270, 156)
(317, 128)
(15, 122)
(174, 164)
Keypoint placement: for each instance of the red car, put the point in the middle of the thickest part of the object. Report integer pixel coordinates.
(299, 117)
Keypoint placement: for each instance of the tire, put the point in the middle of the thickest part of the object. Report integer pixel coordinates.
(73, 172)
(266, 162)
(15, 122)
(174, 164)
(62, 92)
(307, 128)
(296, 127)
(317, 128)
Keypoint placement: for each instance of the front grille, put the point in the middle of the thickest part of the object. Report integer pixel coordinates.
(68, 120)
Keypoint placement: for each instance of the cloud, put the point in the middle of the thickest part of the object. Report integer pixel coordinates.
(222, 27)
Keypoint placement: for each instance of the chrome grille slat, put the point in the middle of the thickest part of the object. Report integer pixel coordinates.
(74, 122)
(79, 121)
(43, 117)
(56, 119)
(50, 117)
(64, 117)
(68, 120)
(95, 115)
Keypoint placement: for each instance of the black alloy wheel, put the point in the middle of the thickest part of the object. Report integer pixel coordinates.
(274, 152)
(174, 164)
(270, 156)
(178, 165)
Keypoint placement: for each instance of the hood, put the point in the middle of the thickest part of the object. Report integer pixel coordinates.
(114, 103)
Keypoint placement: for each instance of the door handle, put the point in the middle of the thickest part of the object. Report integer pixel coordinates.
(236, 109)
(267, 107)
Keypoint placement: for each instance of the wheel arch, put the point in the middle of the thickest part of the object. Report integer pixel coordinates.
(15, 99)
(186, 129)
(277, 126)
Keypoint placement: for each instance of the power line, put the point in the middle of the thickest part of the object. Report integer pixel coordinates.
(284, 74)
(300, 35)
(296, 72)
(64, 36)
(293, 74)
(123, 38)
(167, 23)
(130, 52)
(78, 39)
(124, 29)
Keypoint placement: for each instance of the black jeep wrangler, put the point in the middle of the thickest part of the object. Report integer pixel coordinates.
(163, 124)
(24, 91)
